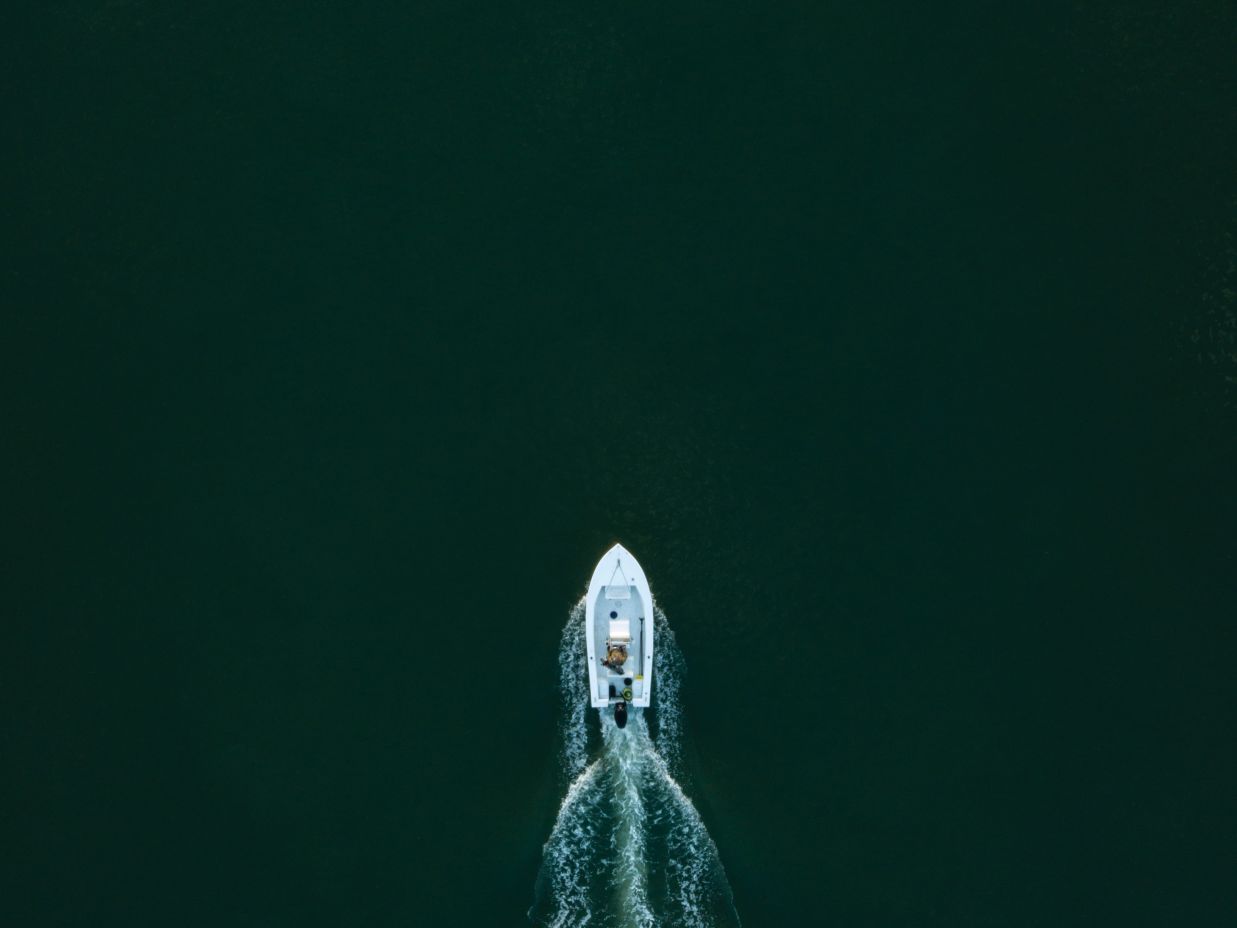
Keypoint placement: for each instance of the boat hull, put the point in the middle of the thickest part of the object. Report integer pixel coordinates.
(618, 633)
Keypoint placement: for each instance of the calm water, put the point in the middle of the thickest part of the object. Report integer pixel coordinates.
(898, 343)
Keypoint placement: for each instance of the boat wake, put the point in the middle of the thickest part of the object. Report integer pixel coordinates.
(628, 849)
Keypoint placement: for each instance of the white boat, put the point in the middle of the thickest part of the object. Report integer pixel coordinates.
(618, 633)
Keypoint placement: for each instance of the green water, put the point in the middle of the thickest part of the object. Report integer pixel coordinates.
(896, 341)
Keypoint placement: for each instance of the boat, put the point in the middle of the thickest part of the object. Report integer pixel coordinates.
(618, 634)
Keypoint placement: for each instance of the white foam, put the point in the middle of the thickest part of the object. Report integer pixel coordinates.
(667, 678)
(573, 692)
(628, 848)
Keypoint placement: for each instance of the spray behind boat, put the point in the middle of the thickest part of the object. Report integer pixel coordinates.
(628, 849)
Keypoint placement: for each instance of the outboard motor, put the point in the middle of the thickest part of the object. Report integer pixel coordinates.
(620, 715)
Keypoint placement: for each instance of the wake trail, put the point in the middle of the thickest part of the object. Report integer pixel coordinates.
(628, 848)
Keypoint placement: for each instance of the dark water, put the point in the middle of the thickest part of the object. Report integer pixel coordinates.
(899, 343)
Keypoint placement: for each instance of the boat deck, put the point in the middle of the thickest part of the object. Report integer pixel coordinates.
(635, 612)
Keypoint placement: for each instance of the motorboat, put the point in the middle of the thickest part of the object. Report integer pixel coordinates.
(618, 634)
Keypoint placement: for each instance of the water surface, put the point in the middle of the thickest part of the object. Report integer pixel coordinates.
(895, 340)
